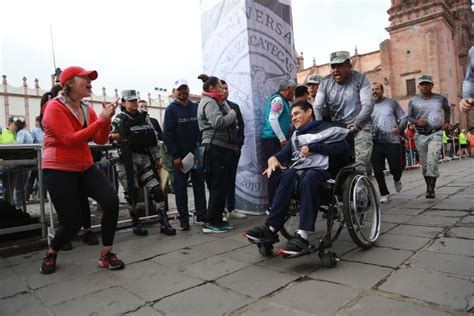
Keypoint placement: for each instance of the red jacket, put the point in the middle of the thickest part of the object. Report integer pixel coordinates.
(66, 141)
(410, 135)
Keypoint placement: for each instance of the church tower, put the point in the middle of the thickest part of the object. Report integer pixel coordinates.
(425, 38)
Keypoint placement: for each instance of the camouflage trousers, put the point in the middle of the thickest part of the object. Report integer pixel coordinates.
(363, 149)
(429, 149)
(143, 173)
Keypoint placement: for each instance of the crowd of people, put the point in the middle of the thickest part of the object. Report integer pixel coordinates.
(340, 115)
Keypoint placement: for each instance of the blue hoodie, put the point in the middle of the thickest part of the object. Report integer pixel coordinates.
(180, 129)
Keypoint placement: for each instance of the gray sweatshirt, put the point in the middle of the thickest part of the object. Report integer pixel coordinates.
(435, 111)
(349, 102)
(385, 119)
(468, 83)
(211, 119)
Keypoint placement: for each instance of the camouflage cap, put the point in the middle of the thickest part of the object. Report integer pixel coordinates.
(425, 78)
(339, 57)
(313, 79)
(128, 95)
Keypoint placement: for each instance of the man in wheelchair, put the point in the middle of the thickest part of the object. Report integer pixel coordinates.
(305, 158)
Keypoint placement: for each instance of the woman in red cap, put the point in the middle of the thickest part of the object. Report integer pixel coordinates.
(69, 123)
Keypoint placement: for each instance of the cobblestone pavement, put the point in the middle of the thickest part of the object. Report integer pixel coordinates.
(423, 264)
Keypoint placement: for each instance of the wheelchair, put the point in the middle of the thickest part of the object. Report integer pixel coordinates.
(348, 200)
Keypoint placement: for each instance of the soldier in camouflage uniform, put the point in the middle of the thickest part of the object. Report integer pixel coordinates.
(468, 84)
(429, 112)
(345, 97)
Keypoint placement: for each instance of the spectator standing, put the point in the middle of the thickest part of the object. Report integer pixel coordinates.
(412, 154)
(345, 97)
(68, 168)
(429, 112)
(217, 123)
(181, 134)
(301, 93)
(276, 129)
(234, 163)
(385, 119)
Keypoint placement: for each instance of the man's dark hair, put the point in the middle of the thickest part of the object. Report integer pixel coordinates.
(305, 106)
(380, 85)
(301, 91)
(223, 82)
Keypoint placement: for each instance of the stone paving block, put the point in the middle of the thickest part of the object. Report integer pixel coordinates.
(112, 301)
(65, 270)
(435, 261)
(430, 287)
(448, 189)
(455, 204)
(429, 220)
(415, 205)
(468, 220)
(447, 213)
(354, 274)
(401, 242)
(207, 299)
(421, 231)
(256, 281)
(27, 257)
(315, 297)
(380, 256)
(11, 283)
(268, 308)
(247, 254)
(214, 267)
(460, 232)
(221, 245)
(60, 292)
(341, 247)
(300, 266)
(461, 195)
(4, 263)
(135, 271)
(165, 282)
(179, 258)
(378, 305)
(23, 304)
(454, 246)
(385, 227)
(398, 219)
(145, 311)
(405, 209)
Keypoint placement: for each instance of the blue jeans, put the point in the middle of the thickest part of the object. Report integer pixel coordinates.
(181, 194)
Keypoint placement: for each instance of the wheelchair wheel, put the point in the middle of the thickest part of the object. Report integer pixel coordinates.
(265, 250)
(292, 221)
(328, 259)
(361, 210)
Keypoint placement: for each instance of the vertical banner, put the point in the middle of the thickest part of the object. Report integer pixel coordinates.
(249, 44)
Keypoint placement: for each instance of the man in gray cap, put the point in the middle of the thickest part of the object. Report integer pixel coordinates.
(139, 159)
(312, 83)
(468, 85)
(430, 113)
(276, 129)
(345, 97)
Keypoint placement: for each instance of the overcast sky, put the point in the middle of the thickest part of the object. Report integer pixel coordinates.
(144, 44)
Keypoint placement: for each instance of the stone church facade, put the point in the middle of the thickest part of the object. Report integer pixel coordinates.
(430, 37)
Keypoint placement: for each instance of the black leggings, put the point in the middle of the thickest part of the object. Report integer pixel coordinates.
(391, 152)
(67, 189)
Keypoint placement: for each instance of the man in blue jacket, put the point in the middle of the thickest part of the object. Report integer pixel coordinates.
(180, 135)
(307, 155)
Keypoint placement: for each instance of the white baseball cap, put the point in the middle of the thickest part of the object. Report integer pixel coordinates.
(180, 82)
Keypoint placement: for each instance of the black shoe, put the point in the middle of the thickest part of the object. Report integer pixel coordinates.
(140, 231)
(184, 226)
(49, 263)
(296, 247)
(430, 187)
(67, 246)
(90, 238)
(261, 234)
(200, 220)
(167, 230)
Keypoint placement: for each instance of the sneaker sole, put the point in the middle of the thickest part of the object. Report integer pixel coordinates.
(290, 254)
(211, 231)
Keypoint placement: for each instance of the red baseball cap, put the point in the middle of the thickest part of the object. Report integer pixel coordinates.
(71, 72)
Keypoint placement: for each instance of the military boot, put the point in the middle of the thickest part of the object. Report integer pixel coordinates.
(137, 225)
(430, 193)
(165, 227)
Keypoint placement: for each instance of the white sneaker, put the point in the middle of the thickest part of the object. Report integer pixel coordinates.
(385, 198)
(398, 185)
(234, 215)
